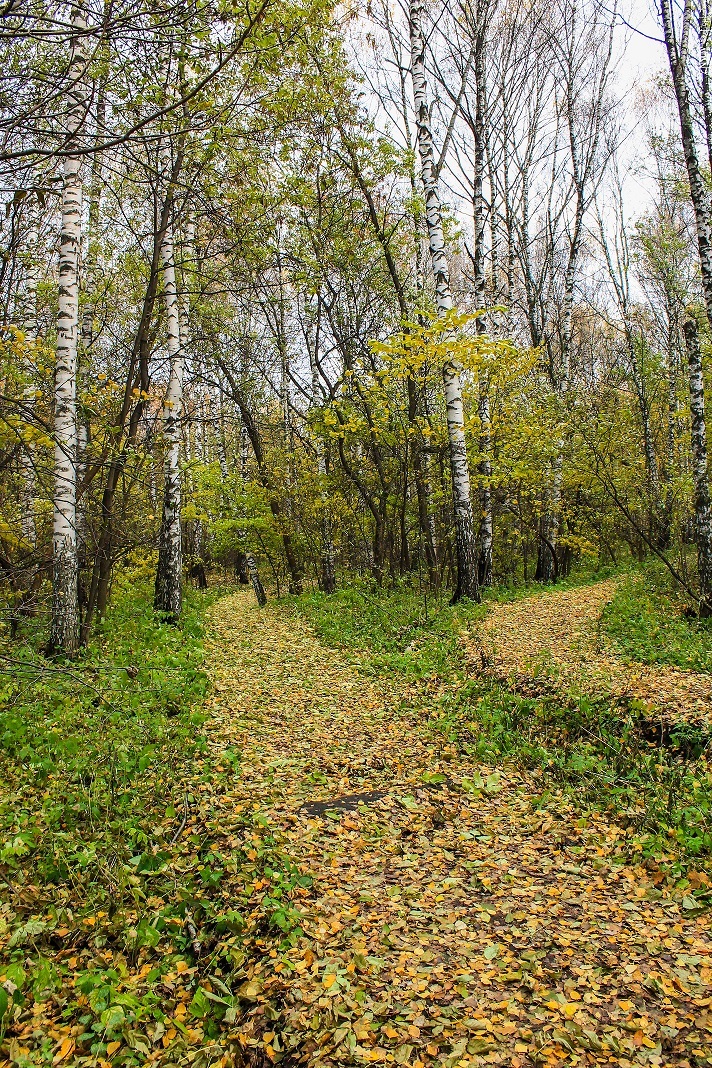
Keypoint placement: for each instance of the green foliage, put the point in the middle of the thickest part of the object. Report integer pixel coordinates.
(112, 837)
(646, 622)
(405, 630)
(104, 737)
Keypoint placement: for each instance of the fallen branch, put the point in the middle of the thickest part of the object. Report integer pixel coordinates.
(180, 830)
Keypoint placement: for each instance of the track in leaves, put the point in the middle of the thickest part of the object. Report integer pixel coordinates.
(553, 639)
(451, 921)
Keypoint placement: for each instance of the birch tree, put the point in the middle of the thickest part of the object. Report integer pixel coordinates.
(465, 539)
(168, 592)
(700, 472)
(328, 569)
(29, 527)
(64, 624)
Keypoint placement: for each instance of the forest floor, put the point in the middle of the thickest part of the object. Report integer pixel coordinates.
(554, 640)
(455, 917)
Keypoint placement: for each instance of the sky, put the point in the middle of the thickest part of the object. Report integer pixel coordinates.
(642, 58)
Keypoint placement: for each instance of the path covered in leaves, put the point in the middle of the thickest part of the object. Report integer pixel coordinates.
(553, 638)
(450, 921)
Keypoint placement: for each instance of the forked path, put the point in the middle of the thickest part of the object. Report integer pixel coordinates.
(450, 923)
(554, 638)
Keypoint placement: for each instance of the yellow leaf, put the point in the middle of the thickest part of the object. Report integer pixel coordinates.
(64, 1050)
(112, 1048)
(329, 979)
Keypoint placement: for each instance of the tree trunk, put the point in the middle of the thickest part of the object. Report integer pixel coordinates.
(168, 594)
(327, 579)
(64, 623)
(487, 522)
(479, 220)
(466, 549)
(255, 580)
(419, 463)
(27, 461)
(701, 497)
(677, 57)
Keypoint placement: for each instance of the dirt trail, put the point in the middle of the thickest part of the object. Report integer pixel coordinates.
(451, 922)
(554, 638)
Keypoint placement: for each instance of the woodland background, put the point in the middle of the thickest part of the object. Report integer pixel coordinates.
(393, 315)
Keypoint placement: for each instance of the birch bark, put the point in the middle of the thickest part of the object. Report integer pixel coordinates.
(465, 542)
(700, 471)
(677, 51)
(479, 217)
(64, 622)
(168, 592)
(28, 524)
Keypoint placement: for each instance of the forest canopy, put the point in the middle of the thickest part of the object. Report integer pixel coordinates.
(310, 291)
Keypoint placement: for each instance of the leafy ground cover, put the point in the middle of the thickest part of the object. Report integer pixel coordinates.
(463, 910)
(646, 621)
(333, 855)
(528, 681)
(117, 866)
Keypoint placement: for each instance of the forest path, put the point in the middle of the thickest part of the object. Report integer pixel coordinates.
(552, 641)
(450, 922)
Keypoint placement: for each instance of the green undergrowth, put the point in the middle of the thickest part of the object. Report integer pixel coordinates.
(646, 621)
(116, 854)
(403, 630)
(595, 751)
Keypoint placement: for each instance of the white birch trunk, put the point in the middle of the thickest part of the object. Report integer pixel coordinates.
(64, 624)
(244, 451)
(255, 580)
(168, 594)
(487, 523)
(29, 326)
(466, 551)
(700, 471)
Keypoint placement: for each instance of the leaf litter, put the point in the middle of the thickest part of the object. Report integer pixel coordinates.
(552, 643)
(345, 887)
(451, 921)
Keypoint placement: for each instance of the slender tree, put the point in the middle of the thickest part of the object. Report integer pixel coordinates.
(700, 471)
(64, 625)
(168, 593)
(465, 537)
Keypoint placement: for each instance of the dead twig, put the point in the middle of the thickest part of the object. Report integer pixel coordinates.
(180, 830)
(191, 932)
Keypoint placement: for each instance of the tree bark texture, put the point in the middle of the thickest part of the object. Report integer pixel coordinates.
(64, 623)
(168, 594)
(700, 471)
(465, 540)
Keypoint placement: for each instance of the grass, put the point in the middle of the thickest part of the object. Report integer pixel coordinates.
(88, 749)
(398, 630)
(112, 838)
(646, 623)
(592, 750)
